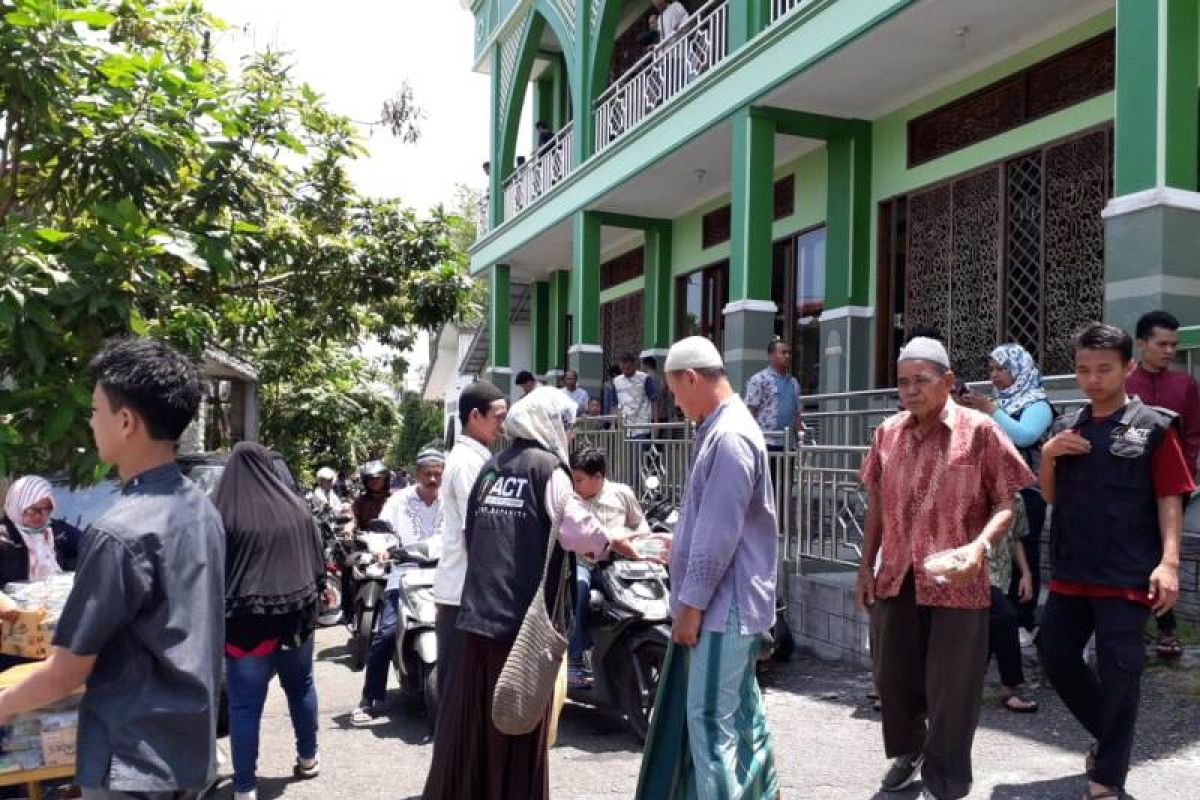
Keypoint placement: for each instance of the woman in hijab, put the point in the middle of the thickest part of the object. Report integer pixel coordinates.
(519, 496)
(274, 577)
(34, 547)
(1021, 409)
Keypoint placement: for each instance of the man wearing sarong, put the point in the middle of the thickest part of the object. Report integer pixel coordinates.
(709, 738)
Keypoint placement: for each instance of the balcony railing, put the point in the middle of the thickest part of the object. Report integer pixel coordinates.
(781, 8)
(483, 216)
(663, 73)
(548, 167)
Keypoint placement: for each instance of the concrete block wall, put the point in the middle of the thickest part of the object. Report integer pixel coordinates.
(825, 617)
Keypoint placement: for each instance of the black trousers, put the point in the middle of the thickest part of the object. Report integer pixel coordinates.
(929, 665)
(1035, 512)
(1003, 642)
(448, 645)
(1105, 704)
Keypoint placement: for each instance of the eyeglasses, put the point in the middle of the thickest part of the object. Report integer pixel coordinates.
(40, 511)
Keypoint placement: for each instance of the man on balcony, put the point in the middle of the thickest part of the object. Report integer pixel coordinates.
(709, 710)
(942, 479)
(671, 17)
(773, 395)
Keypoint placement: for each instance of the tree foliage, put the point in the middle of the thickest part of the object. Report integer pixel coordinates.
(146, 188)
(423, 425)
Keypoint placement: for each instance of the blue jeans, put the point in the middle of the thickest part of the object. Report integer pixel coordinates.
(249, 678)
(383, 646)
(581, 635)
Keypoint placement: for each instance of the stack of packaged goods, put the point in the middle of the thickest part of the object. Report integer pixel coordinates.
(45, 738)
(41, 604)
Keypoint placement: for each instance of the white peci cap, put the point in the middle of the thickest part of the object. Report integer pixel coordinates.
(694, 352)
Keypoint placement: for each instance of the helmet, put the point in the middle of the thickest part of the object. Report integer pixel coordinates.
(373, 469)
(326, 474)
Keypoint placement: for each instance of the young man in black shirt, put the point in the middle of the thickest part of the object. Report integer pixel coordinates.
(1116, 474)
(144, 624)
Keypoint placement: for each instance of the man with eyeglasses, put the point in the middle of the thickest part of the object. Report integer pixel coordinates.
(941, 479)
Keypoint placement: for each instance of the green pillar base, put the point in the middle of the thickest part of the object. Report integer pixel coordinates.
(847, 334)
(1151, 241)
(588, 362)
(749, 326)
(501, 378)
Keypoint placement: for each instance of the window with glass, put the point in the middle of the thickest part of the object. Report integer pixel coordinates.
(700, 302)
(798, 291)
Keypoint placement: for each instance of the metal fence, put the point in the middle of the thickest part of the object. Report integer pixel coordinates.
(820, 502)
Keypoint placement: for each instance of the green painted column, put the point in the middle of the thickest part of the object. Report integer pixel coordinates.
(750, 315)
(1152, 224)
(560, 309)
(496, 173)
(656, 294)
(746, 19)
(539, 324)
(846, 324)
(1156, 103)
(499, 313)
(585, 355)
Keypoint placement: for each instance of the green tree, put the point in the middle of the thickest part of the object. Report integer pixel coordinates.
(422, 425)
(143, 188)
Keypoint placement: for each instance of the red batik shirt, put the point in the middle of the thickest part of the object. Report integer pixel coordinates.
(937, 491)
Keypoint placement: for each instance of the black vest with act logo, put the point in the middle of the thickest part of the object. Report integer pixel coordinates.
(506, 531)
(1105, 525)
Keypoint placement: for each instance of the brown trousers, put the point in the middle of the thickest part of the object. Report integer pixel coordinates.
(929, 666)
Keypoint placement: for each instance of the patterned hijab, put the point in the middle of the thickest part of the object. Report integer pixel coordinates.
(1026, 388)
(25, 493)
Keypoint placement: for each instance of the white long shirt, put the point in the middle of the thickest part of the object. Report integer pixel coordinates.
(413, 520)
(671, 20)
(463, 466)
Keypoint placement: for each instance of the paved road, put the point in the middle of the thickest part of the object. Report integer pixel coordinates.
(827, 740)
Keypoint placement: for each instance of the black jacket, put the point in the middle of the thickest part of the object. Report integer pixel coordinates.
(1105, 525)
(14, 555)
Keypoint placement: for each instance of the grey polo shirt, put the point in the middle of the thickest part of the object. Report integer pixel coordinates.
(148, 602)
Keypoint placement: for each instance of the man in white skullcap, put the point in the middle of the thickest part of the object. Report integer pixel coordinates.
(711, 740)
(941, 477)
(415, 514)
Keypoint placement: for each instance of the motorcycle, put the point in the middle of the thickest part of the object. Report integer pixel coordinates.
(368, 581)
(334, 549)
(416, 653)
(630, 626)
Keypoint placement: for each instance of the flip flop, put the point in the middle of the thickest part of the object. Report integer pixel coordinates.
(1168, 646)
(1029, 707)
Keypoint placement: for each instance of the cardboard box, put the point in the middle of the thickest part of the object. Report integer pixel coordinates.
(28, 637)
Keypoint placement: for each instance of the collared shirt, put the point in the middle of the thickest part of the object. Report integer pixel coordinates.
(763, 395)
(616, 508)
(580, 396)
(726, 539)
(149, 603)
(413, 520)
(463, 466)
(938, 489)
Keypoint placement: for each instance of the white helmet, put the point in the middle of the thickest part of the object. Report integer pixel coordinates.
(326, 474)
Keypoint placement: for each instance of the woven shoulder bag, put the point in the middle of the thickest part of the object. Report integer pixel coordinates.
(526, 684)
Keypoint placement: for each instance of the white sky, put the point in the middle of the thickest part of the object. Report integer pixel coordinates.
(356, 53)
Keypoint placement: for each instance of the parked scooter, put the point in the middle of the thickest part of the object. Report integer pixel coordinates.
(416, 637)
(368, 581)
(334, 547)
(630, 629)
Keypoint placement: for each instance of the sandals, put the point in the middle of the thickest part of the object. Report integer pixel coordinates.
(1168, 646)
(1022, 705)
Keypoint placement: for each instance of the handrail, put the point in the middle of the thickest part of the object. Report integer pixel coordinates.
(541, 173)
(663, 73)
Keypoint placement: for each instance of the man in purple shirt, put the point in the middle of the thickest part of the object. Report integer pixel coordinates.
(723, 594)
